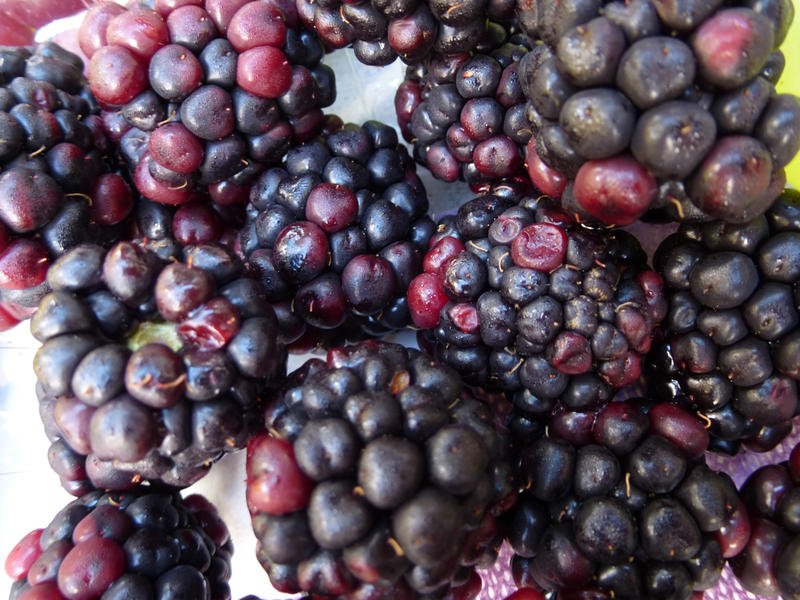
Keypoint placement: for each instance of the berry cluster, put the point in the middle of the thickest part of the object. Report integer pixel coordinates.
(145, 543)
(631, 512)
(267, 225)
(466, 114)
(732, 333)
(56, 185)
(382, 30)
(381, 477)
(517, 296)
(203, 95)
(643, 104)
(769, 565)
(336, 235)
(150, 369)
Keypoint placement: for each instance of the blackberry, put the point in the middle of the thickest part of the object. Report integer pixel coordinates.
(628, 513)
(731, 333)
(212, 92)
(633, 112)
(468, 121)
(336, 234)
(151, 368)
(381, 476)
(144, 543)
(58, 185)
(768, 563)
(380, 31)
(536, 305)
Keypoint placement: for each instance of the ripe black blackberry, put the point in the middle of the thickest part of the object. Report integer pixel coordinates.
(634, 110)
(380, 31)
(627, 513)
(144, 543)
(205, 95)
(336, 234)
(151, 367)
(769, 565)
(517, 296)
(381, 477)
(57, 185)
(732, 332)
(465, 114)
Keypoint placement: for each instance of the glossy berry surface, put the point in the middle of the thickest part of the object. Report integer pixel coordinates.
(466, 114)
(597, 517)
(381, 31)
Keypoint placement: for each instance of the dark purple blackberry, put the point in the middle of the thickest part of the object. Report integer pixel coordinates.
(648, 79)
(334, 232)
(57, 185)
(732, 330)
(144, 543)
(380, 31)
(768, 564)
(151, 368)
(215, 92)
(536, 305)
(468, 120)
(381, 474)
(633, 511)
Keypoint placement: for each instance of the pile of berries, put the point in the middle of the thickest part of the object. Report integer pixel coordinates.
(381, 477)
(57, 185)
(150, 369)
(643, 104)
(337, 234)
(262, 225)
(732, 334)
(466, 114)
(145, 543)
(202, 96)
